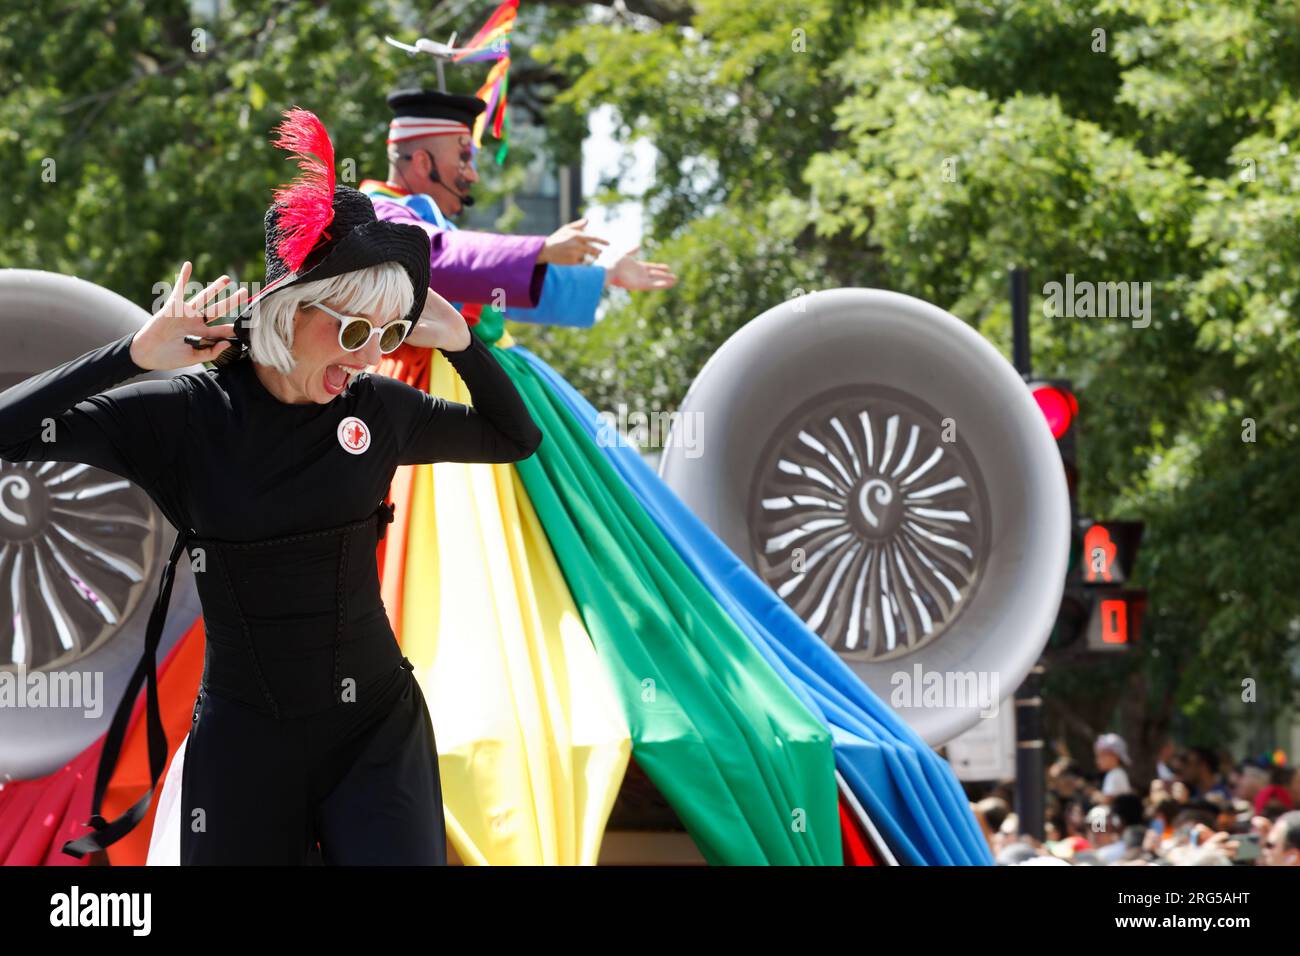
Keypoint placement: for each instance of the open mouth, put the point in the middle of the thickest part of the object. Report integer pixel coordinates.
(336, 377)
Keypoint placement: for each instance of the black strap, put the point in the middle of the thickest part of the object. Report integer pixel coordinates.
(108, 832)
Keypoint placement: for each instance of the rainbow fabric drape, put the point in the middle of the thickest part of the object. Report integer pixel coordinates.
(759, 713)
(910, 794)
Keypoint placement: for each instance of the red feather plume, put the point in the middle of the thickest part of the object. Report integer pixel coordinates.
(309, 199)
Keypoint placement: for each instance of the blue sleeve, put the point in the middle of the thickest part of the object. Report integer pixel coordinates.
(569, 296)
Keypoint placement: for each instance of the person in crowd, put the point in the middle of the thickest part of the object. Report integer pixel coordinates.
(1201, 775)
(1273, 801)
(1076, 820)
(1282, 848)
(1125, 814)
(991, 813)
(1251, 779)
(1167, 760)
(1066, 779)
(1111, 752)
(1162, 819)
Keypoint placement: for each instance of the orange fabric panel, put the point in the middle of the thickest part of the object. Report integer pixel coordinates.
(410, 365)
(178, 686)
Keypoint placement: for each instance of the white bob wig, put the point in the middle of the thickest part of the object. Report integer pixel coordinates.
(381, 291)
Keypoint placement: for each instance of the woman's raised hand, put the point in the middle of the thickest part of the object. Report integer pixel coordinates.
(160, 345)
(440, 326)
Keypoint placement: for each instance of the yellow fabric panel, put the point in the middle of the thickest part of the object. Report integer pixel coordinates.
(531, 738)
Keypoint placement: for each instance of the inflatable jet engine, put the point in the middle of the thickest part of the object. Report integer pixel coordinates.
(80, 549)
(885, 470)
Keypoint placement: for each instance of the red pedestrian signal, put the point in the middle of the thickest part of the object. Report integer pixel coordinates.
(1099, 556)
(1110, 551)
(1116, 619)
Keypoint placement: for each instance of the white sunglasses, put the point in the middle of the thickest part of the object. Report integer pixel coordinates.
(355, 330)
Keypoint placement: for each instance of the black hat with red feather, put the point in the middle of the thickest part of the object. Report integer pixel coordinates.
(317, 228)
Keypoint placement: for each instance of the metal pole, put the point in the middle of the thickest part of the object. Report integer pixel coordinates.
(1020, 356)
(1030, 766)
(1030, 770)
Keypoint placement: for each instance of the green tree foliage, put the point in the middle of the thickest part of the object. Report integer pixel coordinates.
(134, 134)
(925, 147)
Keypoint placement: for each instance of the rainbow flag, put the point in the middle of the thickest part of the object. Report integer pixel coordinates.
(492, 42)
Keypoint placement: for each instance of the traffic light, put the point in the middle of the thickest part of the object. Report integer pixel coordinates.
(1108, 556)
(1102, 553)
(1055, 397)
(1060, 408)
(1059, 405)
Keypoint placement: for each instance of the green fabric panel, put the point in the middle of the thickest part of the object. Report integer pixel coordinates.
(732, 749)
(491, 323)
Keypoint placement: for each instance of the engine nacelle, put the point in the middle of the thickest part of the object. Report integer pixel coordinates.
(80, 549)
(885, 470)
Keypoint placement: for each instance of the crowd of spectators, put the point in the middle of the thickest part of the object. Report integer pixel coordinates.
(1197, 810)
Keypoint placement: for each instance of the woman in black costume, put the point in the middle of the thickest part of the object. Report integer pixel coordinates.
(274, 467)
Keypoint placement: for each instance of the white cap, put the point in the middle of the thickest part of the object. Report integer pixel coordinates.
(1115, 744)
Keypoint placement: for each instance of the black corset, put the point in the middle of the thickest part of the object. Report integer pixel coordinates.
(292, 625)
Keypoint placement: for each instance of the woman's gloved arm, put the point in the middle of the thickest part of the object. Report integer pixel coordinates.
(496, 428)
(429, 428)
(66, 414)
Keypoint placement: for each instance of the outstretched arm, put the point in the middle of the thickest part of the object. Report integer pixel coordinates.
(496, 428)
(469, 266)
(570, 296)
(571, 293)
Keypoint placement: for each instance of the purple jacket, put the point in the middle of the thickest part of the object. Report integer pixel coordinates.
(468, 266)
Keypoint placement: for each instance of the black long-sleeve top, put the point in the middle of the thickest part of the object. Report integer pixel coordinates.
(224, 457)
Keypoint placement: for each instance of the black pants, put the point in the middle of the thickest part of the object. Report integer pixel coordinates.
(360, 780)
